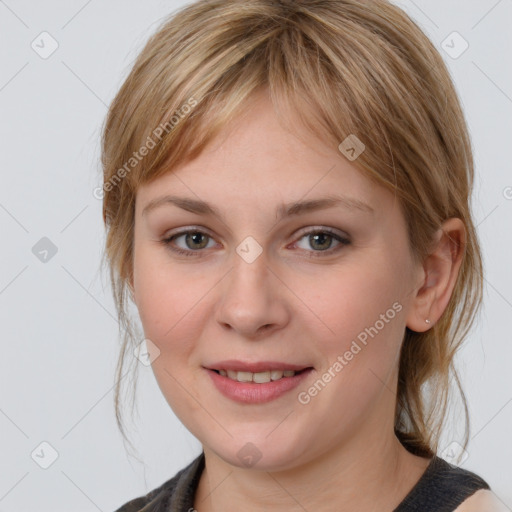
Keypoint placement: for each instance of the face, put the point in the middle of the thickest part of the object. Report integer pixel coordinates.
(321, 293)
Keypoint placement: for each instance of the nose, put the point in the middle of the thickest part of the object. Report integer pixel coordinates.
(252, 299)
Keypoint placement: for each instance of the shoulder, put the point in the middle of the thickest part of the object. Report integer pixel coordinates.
(154, 498)
(444, 486)
(483, 500)
(180, 487)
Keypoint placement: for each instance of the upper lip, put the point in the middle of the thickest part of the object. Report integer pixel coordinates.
(255, 367)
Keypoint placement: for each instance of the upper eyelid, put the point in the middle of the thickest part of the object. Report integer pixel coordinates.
(306, 230)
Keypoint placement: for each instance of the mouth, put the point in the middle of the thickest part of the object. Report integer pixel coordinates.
(256, 382)
(259, 377)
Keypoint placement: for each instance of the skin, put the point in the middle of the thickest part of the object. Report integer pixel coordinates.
(286, 306)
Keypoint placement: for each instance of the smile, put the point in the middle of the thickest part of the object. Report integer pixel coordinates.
(259, 378)
(253, 383)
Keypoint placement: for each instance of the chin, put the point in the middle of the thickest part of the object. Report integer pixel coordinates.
(258, 452)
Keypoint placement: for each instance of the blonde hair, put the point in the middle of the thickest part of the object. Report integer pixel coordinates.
(362, 68)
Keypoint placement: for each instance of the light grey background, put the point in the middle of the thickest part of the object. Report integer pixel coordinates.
(58, 325)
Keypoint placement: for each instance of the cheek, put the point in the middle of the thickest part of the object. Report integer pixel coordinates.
(363, 309)
(357, 298)
(167, 299)
(169, 306)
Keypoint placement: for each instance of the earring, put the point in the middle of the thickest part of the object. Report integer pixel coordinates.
(427, 321)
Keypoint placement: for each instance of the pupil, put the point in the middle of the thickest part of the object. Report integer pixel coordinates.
(194, 237)
(321, 236)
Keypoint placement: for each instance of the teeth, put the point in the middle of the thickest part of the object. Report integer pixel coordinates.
(259, 378)
(244, 376)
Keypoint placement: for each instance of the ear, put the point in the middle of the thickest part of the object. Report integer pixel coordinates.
(437, 276)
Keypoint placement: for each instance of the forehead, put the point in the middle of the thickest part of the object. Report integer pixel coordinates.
(258, 159)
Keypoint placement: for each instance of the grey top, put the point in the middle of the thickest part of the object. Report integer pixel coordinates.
(441, 488)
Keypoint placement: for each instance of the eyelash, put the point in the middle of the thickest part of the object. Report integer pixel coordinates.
(315, 254)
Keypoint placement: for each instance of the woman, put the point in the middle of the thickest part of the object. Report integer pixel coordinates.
(286, 194)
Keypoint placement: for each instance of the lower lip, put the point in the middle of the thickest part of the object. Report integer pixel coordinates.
(252, 393)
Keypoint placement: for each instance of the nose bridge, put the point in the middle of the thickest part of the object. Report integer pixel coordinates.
(251, 295)
(248, 282)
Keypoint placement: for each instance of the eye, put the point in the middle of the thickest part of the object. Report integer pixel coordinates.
(321, 239)
(195, 240)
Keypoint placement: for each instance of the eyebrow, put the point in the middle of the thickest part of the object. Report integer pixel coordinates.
(283, 210)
